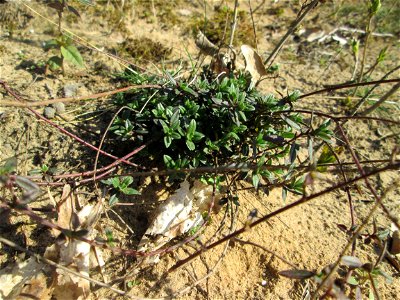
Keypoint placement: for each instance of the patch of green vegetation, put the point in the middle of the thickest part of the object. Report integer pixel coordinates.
(163, 12)
(114, 16)
(206, 122)
(144, 48)
(217, 27)
(387, 18)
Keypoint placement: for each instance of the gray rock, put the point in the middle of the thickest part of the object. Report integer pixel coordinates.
(59, 107)
(71, 89)
(49, 112)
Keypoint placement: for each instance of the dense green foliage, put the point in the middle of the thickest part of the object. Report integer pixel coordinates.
(210, 122)
(206, 121)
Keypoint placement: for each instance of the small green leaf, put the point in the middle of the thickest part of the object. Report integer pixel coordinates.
(197, 136)
(107, 181)
(50, 44)
(287, 135)
(167, 141)
(294, 148)
(72, 55)
(130, 191)
(352, 280)
(256, 180)
(175, 120)
(375, 6)
(115, 182)
(9, 166)
(168, 161)
(191, 130)
(113, 200)
(188, 90)
(175, 135)
(126, 181)
(190, 145)
(291, 123)
(164, 126)
(55, 63)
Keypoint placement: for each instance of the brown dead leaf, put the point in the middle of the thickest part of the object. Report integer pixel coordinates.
(254, 63)
(395, 246)
(204, 44)
(23, 279)
(36, 288)
(74, 254)
(65, 209)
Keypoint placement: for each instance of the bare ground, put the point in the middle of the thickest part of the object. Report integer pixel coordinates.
(307, 236)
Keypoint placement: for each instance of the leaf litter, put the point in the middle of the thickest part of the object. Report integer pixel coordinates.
(30, 276)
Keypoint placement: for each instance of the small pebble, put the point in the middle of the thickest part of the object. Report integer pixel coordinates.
(71, 89)
(59, 107)
(49, 112)
(264, 283)
(184, 12)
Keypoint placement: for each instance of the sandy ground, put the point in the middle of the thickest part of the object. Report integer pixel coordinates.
(306, 236)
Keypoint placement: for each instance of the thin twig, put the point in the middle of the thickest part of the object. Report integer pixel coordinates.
(292, 28)
(61, 129)
(253, 24)
(362, 172)
(356, 234)
(283, 209)
(363, 99)
(234, 23)
(382, 100)
(348, 85)
(73, 99)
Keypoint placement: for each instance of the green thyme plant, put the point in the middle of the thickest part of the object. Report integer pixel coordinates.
(209, 122)
(120, 186)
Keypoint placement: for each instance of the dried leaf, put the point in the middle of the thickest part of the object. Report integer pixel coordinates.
(31, 189)
(395, 243)
(297, 274)
(75, 253)
(65, 208)
(351, 261)
(17, 279)
(176, 216)
(254, 63)
(172, 212)
(36, 288)
(205, 45)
